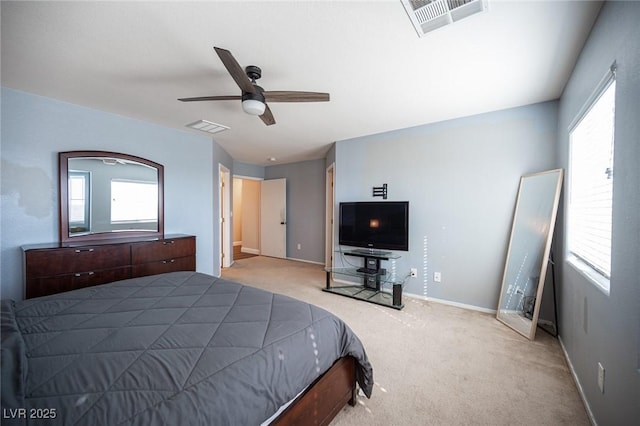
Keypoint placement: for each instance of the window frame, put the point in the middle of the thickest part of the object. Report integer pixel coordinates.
(86, 201)
(590, 272)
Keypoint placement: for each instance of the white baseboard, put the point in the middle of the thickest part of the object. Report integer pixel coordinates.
(237, 243)
(250, 250)
(450, 303)
(305, 261)
(592, 419)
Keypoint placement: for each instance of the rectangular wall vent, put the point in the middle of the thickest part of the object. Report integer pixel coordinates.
(429, 15)
(207, 126)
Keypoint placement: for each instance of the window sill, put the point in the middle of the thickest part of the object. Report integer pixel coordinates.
(602, 283)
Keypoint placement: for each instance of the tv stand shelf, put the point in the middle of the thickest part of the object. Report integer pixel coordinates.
(374, 278)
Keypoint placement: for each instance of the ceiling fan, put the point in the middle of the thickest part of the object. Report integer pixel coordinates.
(254, 98)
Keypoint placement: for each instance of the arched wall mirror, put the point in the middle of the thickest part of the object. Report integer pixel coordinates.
(529, 247)
(109, 195)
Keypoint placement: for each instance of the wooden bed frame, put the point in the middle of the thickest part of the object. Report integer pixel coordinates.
(324, 399)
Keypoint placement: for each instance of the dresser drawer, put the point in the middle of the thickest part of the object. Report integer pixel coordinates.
(45, 263)
(50, 269)
(43, 286)
(167, 249)
(187, 263)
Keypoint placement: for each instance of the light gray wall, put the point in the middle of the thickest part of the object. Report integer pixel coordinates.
(595, 327)
(461, 179)
(331, 156)
(35, 129)
(305, 207)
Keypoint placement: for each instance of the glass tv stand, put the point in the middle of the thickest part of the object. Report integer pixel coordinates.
(373, 279)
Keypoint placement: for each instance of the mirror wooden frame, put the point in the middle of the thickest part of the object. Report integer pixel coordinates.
(63, 168)
(544, 224)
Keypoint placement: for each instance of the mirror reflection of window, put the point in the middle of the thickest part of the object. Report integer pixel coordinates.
(133, 201)
(79, 188)
(86, 203)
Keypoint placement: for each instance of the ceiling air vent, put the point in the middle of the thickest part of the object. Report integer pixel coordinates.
(207, 126)
(429, 15)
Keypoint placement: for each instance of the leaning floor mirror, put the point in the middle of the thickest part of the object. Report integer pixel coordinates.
(528, 253)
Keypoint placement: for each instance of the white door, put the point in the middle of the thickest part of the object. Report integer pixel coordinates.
(273, 218)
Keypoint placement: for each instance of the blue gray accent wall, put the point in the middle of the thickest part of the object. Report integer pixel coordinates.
(595, 327)
(248, 170)
(305, 207)
(35, 129)
(461, 180)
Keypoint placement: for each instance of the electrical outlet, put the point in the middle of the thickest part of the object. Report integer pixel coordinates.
(414, 272)
(437, 277)
(601, 377)
(299, 246)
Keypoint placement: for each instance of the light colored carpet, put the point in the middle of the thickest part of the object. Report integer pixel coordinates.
(435, 364)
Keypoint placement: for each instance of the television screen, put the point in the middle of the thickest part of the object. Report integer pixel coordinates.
(375, 225)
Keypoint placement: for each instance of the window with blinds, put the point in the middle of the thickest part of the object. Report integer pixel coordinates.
(591, 184)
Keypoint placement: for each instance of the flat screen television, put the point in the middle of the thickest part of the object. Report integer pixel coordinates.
(382, 225)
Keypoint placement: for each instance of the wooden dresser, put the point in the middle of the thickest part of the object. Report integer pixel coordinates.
(54, 268)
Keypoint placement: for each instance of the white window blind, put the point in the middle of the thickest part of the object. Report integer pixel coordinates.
(591, 181)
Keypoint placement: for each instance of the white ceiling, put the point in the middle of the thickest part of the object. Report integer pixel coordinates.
(136, 58)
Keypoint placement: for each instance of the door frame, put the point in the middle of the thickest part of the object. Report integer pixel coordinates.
(330, 196)
(224, 214)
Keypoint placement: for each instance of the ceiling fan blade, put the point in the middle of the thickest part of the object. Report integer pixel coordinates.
(293, 96)
(267, 116)
(236, 71)
(212, 98)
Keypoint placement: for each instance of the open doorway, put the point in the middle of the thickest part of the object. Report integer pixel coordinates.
(246, 214)
(259, 216)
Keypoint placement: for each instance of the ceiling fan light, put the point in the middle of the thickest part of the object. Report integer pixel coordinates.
(253, 106)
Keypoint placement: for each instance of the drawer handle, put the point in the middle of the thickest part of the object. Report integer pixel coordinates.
(86, 250)
(169, 261)
(168, 242)
(79, 274)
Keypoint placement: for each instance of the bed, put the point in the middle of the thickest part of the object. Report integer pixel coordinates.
(178, 348)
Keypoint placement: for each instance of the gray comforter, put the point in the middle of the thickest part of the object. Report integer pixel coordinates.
(179, 348)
